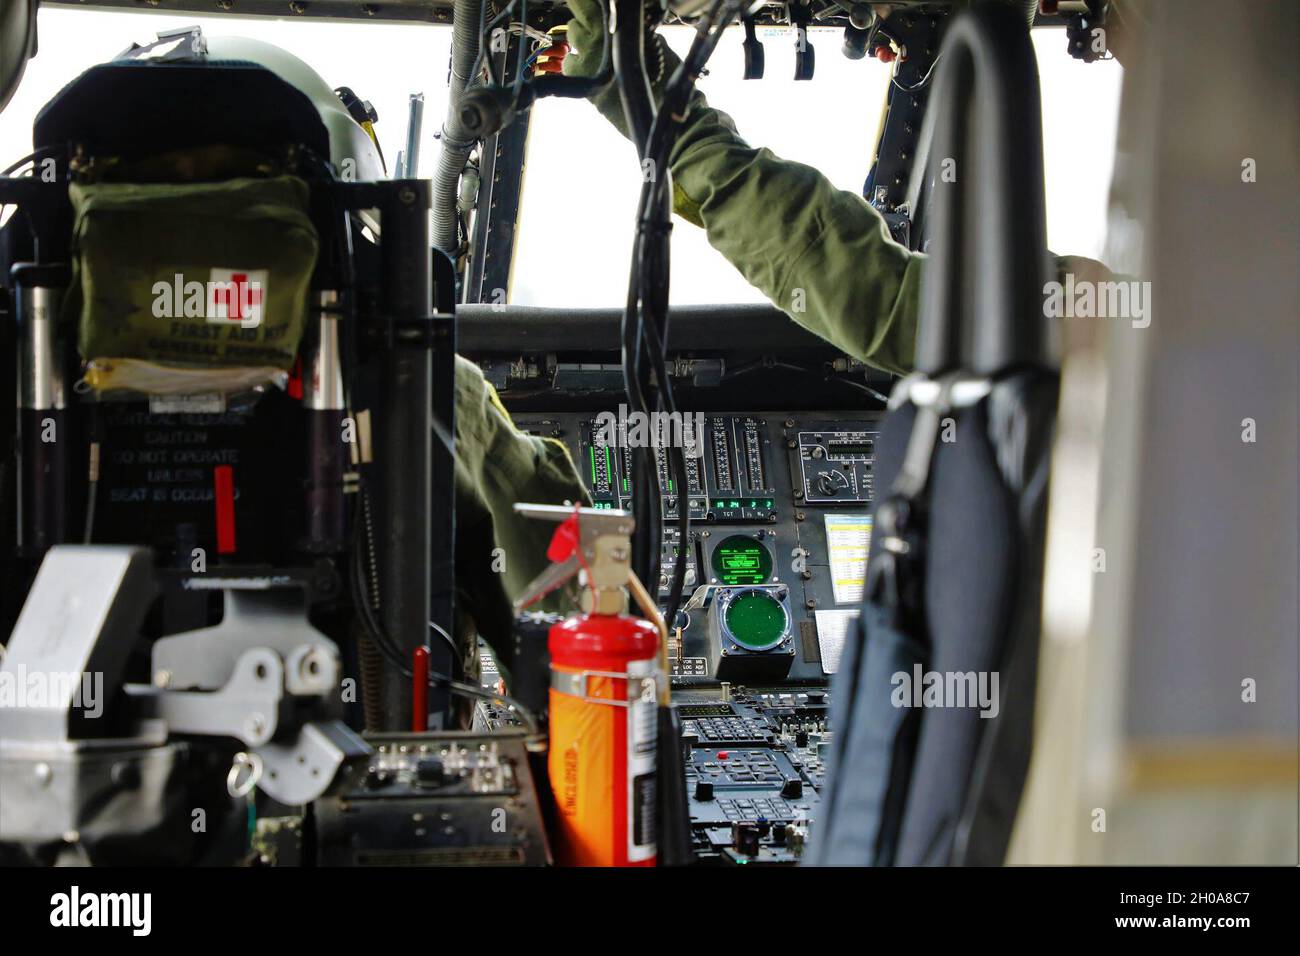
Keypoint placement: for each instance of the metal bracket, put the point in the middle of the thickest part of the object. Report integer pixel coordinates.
(246, 708)
(276, 620)
(575, 684)
(420, 333)
(602, 549)
(299, 772)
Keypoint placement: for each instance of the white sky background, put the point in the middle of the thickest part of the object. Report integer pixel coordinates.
(582, 178)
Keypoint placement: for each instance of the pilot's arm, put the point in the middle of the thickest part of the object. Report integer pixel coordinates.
(821, 254)
(498, 552)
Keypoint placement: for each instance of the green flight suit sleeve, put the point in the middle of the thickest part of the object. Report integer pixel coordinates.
(821, 254)
(498, 552)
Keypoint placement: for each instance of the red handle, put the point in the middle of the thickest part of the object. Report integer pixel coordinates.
(420, 690)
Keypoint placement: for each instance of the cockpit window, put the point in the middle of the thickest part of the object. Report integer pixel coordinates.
(581, 182)
(582, 179)
(581, 185)
(1080, 115)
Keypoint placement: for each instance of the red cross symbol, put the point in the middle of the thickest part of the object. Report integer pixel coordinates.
(233, 294)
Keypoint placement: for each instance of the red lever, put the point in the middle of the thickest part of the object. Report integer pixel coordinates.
(565, 540)
(420, 690)
(293, 387)
(223, 480)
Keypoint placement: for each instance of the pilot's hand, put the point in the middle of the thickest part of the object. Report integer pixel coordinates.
(586, 37)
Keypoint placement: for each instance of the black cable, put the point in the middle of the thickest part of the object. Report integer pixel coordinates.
(648, 292)
(646, 489)
(30, 158)
(522, 52)
(627, 46)
(447, 639)
(629, 67)
(569, 87)
(645, 330)
(485, 42)
(366, 526)
(643, 335)
(654, 260)
(643, 340)
(647, 299)
(825, 374)
(576, 87)
(393, 654)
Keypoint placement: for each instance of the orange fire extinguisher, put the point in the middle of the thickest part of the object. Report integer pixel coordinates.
(607, 682)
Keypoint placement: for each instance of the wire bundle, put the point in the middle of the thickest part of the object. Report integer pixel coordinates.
(645, 316)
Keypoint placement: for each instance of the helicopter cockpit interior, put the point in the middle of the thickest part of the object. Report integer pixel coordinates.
(450, 410)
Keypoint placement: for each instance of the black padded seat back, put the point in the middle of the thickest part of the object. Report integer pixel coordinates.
(934, 785)
(983, 577)
(933, 703)
(969, 577)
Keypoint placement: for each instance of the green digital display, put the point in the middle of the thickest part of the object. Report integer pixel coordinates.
(741, 560)
(756, 621)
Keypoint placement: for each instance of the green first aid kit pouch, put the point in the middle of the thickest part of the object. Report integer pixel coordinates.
(186, 287)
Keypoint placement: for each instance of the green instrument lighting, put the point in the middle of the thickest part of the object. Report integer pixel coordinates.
(741, 560)
(756, 621)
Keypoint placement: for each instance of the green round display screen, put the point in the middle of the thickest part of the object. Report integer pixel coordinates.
(741, 560)
(756, 620)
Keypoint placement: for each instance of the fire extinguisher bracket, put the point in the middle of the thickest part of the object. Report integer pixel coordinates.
(575, 684)
(595, 542)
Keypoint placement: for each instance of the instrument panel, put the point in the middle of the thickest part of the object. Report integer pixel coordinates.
(835, 466)
(780, 504)
(781, 516)
(755, 773)
(726, 467)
